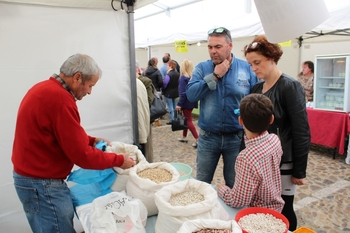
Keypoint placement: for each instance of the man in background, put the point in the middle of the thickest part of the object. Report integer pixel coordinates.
(164, 68)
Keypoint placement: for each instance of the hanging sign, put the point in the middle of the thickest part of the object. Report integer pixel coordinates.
(287, 43)
(181, 46)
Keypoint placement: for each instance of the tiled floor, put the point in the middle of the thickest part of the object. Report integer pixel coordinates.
(323, 204)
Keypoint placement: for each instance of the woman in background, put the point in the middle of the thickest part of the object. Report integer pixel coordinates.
(170, 88)
(153, 73)
(306, 78)
(291, 122)
(184, 104)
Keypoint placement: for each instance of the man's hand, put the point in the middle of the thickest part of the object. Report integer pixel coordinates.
(105, 140)
(222, 68)
(128, 162)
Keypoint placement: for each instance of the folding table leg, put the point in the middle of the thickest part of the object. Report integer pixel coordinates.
(334, 152)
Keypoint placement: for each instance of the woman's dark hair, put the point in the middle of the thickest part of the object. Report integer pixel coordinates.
(310, 64)
(261, 46)
(256, 111)
(152, 62)
(172, 64)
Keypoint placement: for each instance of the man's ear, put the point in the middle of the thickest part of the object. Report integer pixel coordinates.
(240, 121)
(272, 119)
(77, 76)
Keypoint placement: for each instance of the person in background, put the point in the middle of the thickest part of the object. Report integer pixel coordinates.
(291, 122)
(154, 74)
(170, 89)
(306, 78)
(155, 60)
(258, 179)
(144, 100)
(164, 68)
(49, 140)
(219, 84)
(147, 82)
(184, 104)
(177, 64)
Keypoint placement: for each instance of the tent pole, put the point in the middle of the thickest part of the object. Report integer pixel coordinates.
(130, 11)
(300, 43)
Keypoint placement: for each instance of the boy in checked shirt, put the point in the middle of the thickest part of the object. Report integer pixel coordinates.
(258, 179)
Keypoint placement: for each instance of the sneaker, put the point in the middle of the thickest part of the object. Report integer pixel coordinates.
(183, 140)
(168, 123)
(194, 145)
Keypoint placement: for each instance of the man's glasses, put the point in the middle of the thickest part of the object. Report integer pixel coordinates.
(219, 31)
(252, 45)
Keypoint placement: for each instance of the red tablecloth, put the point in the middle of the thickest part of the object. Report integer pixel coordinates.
(329, 128)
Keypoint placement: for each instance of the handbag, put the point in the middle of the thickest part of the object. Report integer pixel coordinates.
(179, 122)
(158, 108)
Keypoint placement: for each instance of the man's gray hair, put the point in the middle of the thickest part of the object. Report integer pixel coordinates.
(81, 63)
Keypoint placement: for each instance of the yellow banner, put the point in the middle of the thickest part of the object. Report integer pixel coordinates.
(181, 46)
(287, 43)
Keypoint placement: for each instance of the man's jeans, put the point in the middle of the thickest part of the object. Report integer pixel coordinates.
(47, 204)
(210, 147)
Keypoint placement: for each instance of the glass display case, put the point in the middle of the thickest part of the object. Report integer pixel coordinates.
(331, 83)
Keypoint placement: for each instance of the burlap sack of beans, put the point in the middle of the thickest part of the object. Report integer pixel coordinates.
(199, 224)
(170, 218)
(144, 189)
(123, 174)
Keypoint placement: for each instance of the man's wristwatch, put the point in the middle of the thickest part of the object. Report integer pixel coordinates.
(216, 75)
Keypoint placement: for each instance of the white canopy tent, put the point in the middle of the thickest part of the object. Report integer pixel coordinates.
(38, 35)
(192, 22)
(36, 38)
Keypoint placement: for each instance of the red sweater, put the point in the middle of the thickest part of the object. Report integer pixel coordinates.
(49, 139)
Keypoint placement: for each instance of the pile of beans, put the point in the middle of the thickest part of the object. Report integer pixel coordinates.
(262, 223)
(209, 230)
(157, 175)
(186, 198)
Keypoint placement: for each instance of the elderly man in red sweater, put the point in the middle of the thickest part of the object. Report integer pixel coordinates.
(49, 140)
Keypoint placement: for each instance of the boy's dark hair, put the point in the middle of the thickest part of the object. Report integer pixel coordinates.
(256, 111)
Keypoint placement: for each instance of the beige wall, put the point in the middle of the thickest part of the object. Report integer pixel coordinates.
(290, 62)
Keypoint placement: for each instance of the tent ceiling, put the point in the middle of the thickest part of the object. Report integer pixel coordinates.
(93, 4)
(162, 6)
(155, 26)
(164, 21)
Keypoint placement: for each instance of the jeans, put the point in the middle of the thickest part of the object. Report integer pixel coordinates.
(47, 204)
(210, 147)
(171, 107)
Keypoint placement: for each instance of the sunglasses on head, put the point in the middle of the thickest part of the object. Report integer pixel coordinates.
(252, 45)
(218, 31)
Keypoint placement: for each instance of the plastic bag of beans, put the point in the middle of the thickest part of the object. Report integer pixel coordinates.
(117, 212)
(146, 179)
(186, 200)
